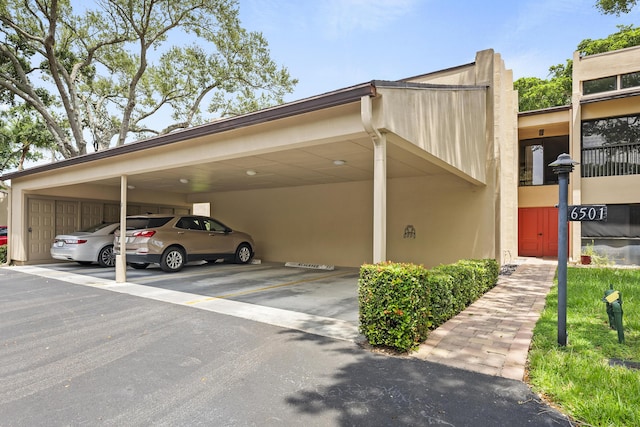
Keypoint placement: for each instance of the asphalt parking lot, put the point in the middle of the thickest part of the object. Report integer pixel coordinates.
(79, 349)
(319, 301)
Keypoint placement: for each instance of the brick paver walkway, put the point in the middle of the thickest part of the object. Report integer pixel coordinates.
(492, 336)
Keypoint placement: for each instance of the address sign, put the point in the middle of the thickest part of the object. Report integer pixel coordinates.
(587, 213)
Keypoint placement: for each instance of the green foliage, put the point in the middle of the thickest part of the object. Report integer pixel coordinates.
(578, 377)
(471, 279)
(393, 302)
(23, 136)
(442, 303)
(535, 93)
(399, 303)
(615, 7)
(3, 254)
(117, 63)
(627, 36)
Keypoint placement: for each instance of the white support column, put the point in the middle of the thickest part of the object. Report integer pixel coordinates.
(121, 259)
(380, 199)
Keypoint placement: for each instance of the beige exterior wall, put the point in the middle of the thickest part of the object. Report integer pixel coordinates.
(500, 168)
(450, 217)
(458, 141)
(611, 108)
(605, 64)
(321, 224)
(332, 224)
(611, 190)
(536, 196)
(464, 207)
(472, 213)
(463, 75)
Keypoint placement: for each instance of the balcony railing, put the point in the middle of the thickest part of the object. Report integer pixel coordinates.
(611, 160)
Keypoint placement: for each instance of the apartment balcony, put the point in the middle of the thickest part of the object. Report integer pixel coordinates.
(611, 160)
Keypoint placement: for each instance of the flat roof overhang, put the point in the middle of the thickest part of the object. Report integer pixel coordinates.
(308, 163)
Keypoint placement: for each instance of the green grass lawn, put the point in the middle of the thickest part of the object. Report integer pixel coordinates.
(578, 378)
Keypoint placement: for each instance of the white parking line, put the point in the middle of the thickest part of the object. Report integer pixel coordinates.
(317, 325)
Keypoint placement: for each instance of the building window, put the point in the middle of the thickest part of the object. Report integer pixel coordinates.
(611, 146)
(604, 84)
(630, 80)
(535, 156)
(618, 237)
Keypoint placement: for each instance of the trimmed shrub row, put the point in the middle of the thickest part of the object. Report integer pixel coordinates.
(400, 302)
(3, 254)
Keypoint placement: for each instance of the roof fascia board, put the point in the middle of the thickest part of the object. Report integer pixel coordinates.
(544, 111)
(412, 85)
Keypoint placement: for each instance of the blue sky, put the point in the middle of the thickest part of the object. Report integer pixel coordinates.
(332, 44)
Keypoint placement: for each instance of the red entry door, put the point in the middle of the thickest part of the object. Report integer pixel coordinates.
(538, 232)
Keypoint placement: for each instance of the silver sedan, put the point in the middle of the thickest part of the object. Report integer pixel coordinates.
(94, 244)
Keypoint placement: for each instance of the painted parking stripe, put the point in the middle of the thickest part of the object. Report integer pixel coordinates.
(266, 288)
(317, 325)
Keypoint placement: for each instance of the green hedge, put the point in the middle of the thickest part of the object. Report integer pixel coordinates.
(400, 302)
(393, 302)
(3, 254)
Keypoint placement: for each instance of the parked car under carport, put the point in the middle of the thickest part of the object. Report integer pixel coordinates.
(93, 244)
(171, 241)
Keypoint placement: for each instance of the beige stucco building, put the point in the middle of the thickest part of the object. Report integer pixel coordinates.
(420, 170)
(601, 131)
(428, 169)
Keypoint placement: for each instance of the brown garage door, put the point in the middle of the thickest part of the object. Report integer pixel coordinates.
(41, 228)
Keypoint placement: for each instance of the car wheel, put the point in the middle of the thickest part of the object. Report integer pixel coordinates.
(172, 260)
(139, 265)
(243, 253)
(106, 257)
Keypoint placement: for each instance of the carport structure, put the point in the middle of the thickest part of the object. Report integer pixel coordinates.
(420, 170)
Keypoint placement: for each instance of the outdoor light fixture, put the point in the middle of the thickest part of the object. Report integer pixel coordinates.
(251, 172)
(562, 167)
(184, 180)
(339, 162)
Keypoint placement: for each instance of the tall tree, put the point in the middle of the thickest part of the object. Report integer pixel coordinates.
(535, 93)
(118, 64)
(615, 7)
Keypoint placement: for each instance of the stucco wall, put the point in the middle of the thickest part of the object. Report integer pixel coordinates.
(332, 224)
(321, 224)
(448, 124)
(611, 189)
(605, 64)
(537, 196)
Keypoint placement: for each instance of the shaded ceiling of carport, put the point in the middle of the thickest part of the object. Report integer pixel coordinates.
(302, 166)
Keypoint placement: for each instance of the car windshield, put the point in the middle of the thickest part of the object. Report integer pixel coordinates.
(96, 227)
(137, 223)
(3, 231)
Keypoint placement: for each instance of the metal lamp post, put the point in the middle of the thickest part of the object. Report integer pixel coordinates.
(562, 167)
